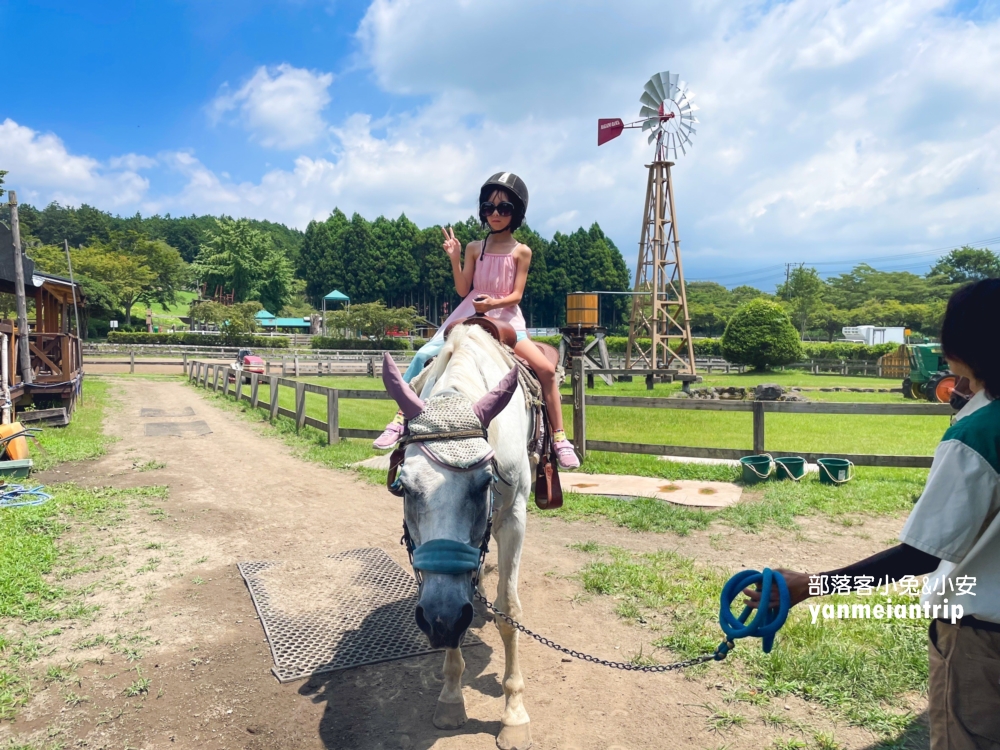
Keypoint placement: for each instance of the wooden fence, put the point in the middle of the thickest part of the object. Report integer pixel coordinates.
(580, 401)
(216, 376)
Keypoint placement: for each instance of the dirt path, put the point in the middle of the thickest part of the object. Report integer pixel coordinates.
(236, 495)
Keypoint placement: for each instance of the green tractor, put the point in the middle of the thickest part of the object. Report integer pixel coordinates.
(929, 377)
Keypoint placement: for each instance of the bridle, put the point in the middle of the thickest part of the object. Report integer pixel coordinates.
(445, 555)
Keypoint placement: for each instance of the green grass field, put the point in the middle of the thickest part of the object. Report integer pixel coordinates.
(170, 315)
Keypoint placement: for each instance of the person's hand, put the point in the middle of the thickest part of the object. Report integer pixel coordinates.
(798, 589)
(483, 303)
(451, 245)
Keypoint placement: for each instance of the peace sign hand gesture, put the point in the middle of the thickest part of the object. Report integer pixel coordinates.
(451, 245)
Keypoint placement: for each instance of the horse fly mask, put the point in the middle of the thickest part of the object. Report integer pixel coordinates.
(450, 431)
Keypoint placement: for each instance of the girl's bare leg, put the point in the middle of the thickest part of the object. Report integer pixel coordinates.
(546, 373)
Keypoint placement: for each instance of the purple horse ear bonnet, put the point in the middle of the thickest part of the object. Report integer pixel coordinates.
(449, 411)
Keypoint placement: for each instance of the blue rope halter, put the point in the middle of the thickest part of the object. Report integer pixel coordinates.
(767, 620)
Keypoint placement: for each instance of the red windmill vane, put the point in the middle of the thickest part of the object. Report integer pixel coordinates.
(659, 305)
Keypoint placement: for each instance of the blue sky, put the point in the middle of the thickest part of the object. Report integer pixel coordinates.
(831, 131)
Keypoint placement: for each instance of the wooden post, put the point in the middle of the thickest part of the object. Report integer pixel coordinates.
(254, 389)
(225, 380)
(215, 377)
(274, 398)
(296, 365)
(185, 364)
(758, 426)
(239, 386)
(579, 409)
(131, 363)
(267, 367)
(300, 403)
(332, 416)
(24, 353)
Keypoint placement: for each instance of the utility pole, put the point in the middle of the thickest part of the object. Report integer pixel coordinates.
(76, 311)
(22, 305)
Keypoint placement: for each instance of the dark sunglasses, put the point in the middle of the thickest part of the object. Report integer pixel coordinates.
(504, 209)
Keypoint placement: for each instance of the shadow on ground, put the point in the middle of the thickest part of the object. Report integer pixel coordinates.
(390, 705)
(916, 736)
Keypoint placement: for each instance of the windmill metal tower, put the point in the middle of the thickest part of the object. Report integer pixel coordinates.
(659, 302)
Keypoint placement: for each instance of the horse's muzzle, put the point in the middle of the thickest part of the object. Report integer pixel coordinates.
(444, 611)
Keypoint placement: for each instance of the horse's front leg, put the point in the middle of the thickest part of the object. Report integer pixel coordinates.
(450, 711)
(515, 733)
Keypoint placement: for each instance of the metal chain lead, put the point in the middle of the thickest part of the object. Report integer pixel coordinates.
(718, 655)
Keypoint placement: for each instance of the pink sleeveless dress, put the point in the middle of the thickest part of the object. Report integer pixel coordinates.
(494, 276)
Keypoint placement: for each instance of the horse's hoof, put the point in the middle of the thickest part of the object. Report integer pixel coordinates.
(450, 715)
(515, 738)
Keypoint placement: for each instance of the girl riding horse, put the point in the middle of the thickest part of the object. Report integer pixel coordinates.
(492, 283)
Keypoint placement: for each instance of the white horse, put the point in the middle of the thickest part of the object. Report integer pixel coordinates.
(449, 505)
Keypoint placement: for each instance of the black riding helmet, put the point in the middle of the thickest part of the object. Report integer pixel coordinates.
(514, 186)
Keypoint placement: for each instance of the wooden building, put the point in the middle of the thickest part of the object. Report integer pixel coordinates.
(55, 352)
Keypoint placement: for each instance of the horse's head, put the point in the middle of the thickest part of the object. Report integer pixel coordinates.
(447, 482)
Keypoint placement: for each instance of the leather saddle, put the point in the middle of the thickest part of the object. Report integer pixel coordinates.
(504, 332)
(548, 489)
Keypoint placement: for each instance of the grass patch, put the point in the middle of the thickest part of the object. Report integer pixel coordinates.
(860, 669)
(36, 567)
(30, 554)
(83, 438)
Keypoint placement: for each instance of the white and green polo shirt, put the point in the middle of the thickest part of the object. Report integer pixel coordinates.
(957, 518)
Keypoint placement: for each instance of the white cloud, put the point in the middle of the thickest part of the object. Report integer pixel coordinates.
(830, 128)
(281, 107)
(42, 170)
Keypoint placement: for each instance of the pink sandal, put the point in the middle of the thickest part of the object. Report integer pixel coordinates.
(566, 455)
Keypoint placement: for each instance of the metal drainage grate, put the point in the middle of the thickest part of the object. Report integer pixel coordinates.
(338, 612)
(147, 411)
(177, 429)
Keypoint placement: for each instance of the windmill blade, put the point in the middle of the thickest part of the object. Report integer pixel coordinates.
(690, 107)
(681, 89)
(652, 137)
(645, 111)
(650, 89)
(663, 82)
(673, 82)
(658, 86)
(648, 100)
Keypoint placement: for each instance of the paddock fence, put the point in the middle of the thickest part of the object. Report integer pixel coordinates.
(580, 400)
(216, 377)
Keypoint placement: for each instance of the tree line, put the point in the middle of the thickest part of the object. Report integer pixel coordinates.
(124, 262)
(396, 262)
(820, 308)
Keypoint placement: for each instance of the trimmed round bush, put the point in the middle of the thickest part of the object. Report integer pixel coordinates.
(761, 335)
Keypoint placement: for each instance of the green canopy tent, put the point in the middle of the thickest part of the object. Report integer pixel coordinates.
(335, 296)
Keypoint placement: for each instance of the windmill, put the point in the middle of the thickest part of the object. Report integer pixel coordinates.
(659, 302)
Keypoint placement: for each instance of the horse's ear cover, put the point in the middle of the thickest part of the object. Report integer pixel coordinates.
(409, 402)
(494, 402)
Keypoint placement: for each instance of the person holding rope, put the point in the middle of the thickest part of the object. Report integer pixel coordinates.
(492, 284)
(953, 534)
